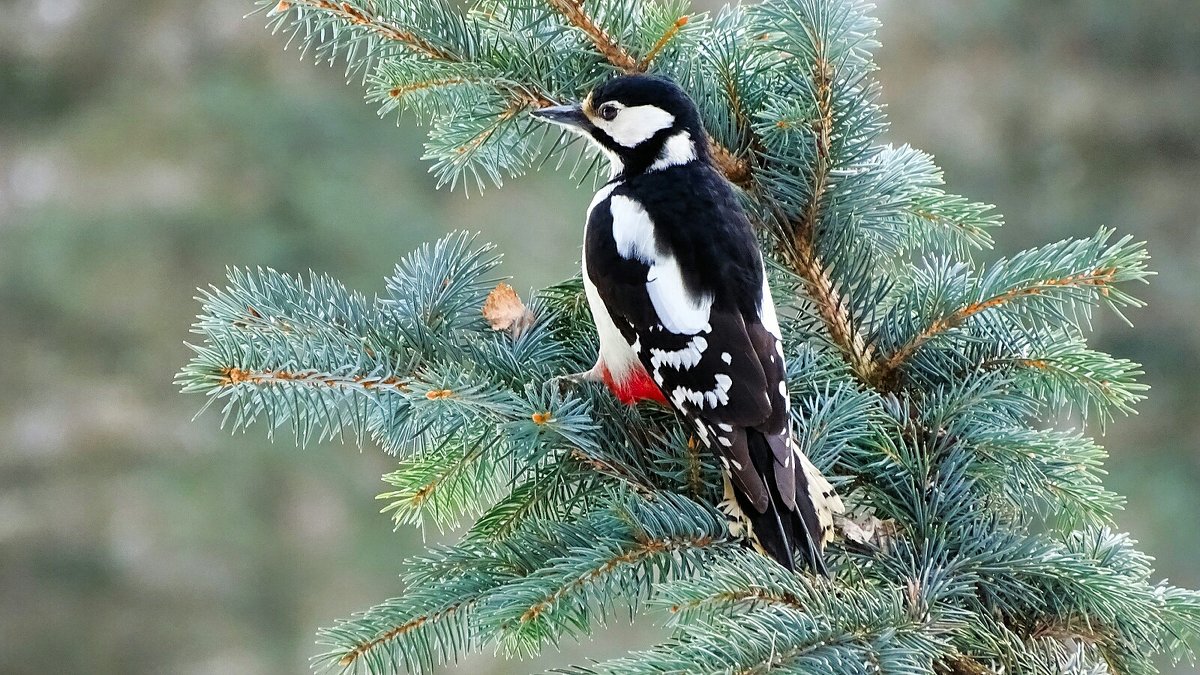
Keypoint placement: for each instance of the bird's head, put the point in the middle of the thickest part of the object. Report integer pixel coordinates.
(641, 122)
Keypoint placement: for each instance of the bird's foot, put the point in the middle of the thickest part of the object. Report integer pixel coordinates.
(566, 383)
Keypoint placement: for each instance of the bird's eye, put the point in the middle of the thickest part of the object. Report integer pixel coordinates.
(608, 111)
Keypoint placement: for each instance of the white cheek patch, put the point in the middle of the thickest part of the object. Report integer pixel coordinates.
(635, 124)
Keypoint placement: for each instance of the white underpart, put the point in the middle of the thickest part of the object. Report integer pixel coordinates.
(677, 308)
(615, 352)
(634, 124)
(679, 149)
(718, 395)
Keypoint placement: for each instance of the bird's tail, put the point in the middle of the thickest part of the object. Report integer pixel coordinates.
(789, 529)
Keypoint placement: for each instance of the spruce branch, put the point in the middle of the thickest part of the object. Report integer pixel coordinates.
(573, 12)
(1059, 282)
(976, 538)
(667, 36)
(356, 13)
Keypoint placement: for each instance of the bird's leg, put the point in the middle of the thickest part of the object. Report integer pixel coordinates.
(568, 382)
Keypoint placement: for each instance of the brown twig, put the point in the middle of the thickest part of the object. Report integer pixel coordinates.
(572, 11)
(233, 375)
(748, 595)
(394, 633)
(380, 26)
(834, 311)
(662, 42)
(1100, 278)
(736, 169)
(801, 252)
(643, 550)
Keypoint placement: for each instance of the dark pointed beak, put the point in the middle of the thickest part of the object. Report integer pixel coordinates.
(567, 115)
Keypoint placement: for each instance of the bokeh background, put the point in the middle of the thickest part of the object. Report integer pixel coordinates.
(145, 145)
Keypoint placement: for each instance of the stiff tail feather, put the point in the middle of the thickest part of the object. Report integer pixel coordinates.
(785, 533)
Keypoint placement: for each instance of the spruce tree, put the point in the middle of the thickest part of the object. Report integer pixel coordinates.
(940, 393)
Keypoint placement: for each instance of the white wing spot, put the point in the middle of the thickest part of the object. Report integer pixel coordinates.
(725, 442)
(726, 357)
(718, 395)
(725, 427)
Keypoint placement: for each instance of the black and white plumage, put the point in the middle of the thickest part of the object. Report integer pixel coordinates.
(678, 290)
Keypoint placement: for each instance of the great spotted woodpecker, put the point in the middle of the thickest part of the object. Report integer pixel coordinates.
(676, 285)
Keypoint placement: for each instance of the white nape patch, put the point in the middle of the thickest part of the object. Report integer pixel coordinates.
(678, 309)
(766, 312)
(635, 124)
(679, 149)
(725, 356)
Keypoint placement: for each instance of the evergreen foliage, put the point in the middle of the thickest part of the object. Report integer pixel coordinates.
(930, 387)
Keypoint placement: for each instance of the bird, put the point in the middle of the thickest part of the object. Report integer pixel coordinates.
(678, 290)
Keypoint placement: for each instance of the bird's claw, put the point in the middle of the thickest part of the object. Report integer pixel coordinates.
(566, 383)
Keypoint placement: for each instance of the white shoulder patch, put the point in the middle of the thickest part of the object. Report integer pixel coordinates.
(678, 309)
(679, 149)
(632, 230)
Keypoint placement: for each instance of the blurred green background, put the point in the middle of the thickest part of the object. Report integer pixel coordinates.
(145, 145)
